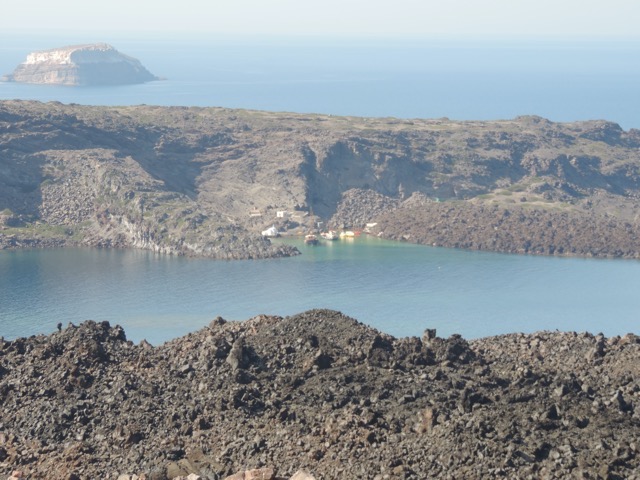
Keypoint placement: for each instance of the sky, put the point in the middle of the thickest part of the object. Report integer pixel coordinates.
(353, 18)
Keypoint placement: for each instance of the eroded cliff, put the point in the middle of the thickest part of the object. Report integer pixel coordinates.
(209, 180)
(80, 65)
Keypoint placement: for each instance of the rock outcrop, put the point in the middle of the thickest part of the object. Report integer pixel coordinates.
(322, 395)
(510, 229)
(80, 65)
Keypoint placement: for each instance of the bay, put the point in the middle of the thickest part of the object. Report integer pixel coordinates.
(398, 288)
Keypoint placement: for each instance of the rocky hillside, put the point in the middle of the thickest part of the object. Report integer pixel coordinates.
(207, 181)
(510, 229)
(80, 65)
(322, 393)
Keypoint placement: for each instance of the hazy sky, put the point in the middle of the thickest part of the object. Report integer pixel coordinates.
(396, 18)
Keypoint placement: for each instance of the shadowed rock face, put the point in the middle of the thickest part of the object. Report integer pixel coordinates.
(94, 64)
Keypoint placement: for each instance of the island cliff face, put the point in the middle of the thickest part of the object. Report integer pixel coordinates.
(80, 65)
(207, 181)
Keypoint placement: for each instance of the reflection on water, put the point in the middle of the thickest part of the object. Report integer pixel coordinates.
(398, 288)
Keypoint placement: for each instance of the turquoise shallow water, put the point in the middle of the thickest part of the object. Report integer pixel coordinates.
(398, 288)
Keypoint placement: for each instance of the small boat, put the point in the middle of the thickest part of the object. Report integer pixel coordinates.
(330, 235)
(311, 239)
(347, 234)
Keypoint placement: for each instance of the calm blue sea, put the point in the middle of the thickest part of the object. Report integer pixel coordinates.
(401, 289)
(459, 79)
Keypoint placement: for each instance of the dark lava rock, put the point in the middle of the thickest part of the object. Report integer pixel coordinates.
(319, 392)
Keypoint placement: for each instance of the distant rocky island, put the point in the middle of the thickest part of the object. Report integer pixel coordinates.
(80, 65)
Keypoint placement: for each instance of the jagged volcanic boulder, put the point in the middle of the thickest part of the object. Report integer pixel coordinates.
(93, 64)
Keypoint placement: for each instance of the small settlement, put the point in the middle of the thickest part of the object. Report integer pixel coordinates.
(300, 223)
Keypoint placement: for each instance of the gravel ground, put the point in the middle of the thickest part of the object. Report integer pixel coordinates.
(323, 393)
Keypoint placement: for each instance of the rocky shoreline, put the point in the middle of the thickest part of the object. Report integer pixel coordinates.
(241, 247)
(511, 230)
(16, 243)
(249, 251)
(320, 393)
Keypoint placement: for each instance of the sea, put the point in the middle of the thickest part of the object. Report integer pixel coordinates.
(461, 79)
(398, 288)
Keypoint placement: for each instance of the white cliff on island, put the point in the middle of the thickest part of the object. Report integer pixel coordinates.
(80, 65)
